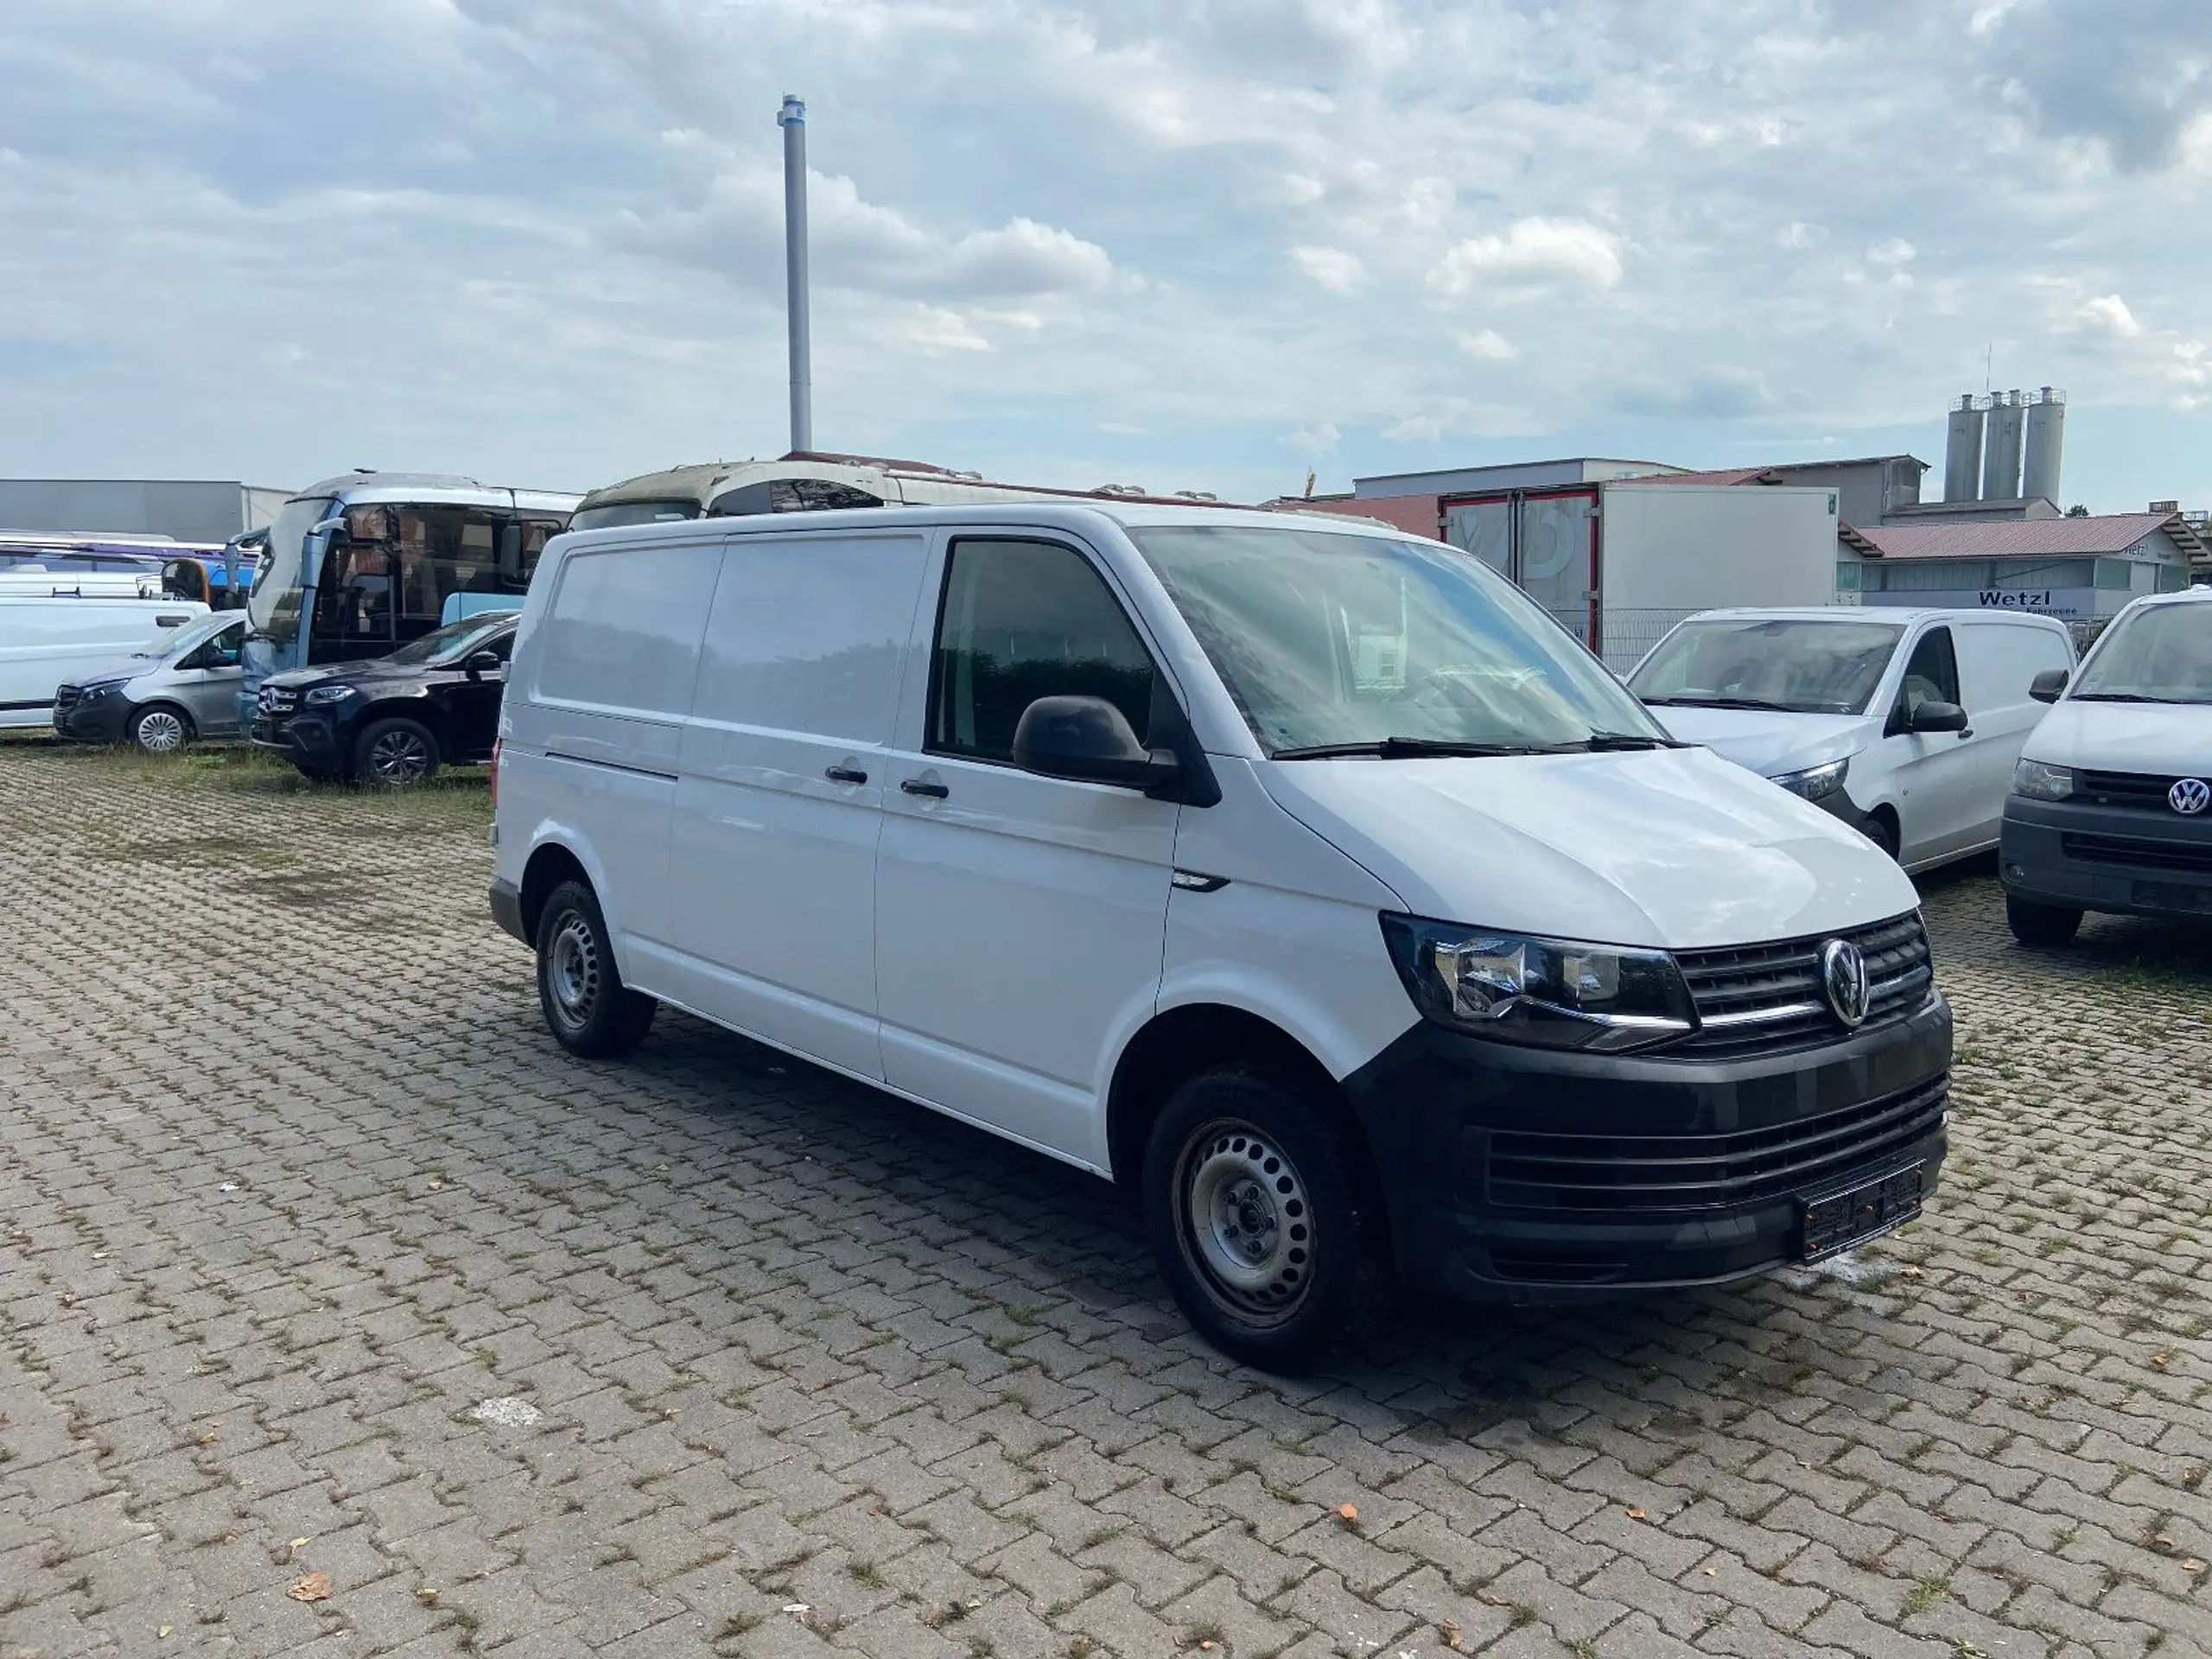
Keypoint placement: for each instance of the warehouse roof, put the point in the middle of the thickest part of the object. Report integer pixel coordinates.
(2005, 538)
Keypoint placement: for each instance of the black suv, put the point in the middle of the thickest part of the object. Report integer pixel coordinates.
(393, 720)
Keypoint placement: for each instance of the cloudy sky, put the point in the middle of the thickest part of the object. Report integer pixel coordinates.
(1199, 244)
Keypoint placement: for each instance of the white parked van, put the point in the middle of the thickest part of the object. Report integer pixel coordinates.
(1905, 724)
(2112, 802)
(56, 629)
(1302, 875)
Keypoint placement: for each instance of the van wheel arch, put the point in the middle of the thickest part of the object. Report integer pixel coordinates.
(548, 867)
(1885, 832)
(1180, 1044)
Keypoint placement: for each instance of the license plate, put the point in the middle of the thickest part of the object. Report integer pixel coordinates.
(1837, 1222)
(2169, 895)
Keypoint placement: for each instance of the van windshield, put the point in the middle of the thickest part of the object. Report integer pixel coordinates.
(1335, 643)
(1794, 665)
(2161, 654)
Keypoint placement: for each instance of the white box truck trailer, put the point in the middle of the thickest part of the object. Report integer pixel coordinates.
(1619, 563)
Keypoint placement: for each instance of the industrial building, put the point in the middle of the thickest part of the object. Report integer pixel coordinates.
(1997, 537)
(182, 509)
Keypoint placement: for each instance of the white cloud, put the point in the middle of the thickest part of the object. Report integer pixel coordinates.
(1316, 442)
(553, 229)
(2109, 313)
(1536, 253)
(1334, 269)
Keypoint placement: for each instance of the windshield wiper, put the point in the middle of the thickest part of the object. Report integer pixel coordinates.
(1406, 748)
(2120, 697)
(1721, 702)
(1415, 748)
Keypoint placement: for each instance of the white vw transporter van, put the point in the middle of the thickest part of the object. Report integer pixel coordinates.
(1302, 875)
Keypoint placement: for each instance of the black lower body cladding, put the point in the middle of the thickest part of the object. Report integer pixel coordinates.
(103, 720)
(1536, 1175)
(304, 739)
(2125, 860)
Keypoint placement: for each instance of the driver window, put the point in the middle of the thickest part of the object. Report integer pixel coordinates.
(221, 651)
(1932, 676)
(1023, 620)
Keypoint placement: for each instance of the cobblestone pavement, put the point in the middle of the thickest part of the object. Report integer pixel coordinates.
(292, 1183)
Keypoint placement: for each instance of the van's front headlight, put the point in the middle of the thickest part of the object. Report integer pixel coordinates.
(2039, 782)
(1550, 992)
(1816, 783)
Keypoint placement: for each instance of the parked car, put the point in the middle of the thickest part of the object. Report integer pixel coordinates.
(1247, 862)
(395, 719)
(182, 685)
(2111, 807)
(1905, 724)
(56, 627)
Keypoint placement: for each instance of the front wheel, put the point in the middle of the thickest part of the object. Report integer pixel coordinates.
(160, 729)
(2034, 924)
(396, 754)
(1260, 1217)
(590, 1012)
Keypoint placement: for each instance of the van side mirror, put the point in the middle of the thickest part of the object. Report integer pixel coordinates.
(2050, 685)
(1939, 717)
(482, 662)
(1088, 740)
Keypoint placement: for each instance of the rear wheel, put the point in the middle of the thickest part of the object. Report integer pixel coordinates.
(2034, 924)
(396, 753)
(160, 729)
(588, 1008)
(1260, 1219)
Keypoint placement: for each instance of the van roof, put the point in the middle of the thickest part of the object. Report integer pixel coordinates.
(1904, 615)
(1046, 512)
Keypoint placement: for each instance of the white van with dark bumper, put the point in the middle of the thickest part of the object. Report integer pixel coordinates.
(2112, 802)
(1903, 723)
(1304, 876)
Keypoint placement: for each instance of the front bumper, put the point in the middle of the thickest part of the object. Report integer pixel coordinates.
(307, 738)
(103, 720)
(1532, 1175)
(2122, 860)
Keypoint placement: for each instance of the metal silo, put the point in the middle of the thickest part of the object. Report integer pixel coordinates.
(1962, 450)
(2046, 444)
(2000, 455)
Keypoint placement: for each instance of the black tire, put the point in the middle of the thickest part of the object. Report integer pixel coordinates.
(396, 753)
(2034, 924)
(1252, 1159)
(588, 1009)
(1882, 832)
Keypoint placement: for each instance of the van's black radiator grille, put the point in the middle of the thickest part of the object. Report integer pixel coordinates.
(1756, 999)
(65, 698)
(1651, 1174)
(2121, 789)
(2128, 849)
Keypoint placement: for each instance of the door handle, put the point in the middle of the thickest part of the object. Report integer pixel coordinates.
(844, 775)
(1965, 734)
(915, 786)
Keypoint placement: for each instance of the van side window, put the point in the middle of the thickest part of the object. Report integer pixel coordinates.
(622, 633)
(1932, 676)
(1023, 620)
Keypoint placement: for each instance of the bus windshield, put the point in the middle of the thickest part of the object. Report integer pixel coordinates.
(273, 606)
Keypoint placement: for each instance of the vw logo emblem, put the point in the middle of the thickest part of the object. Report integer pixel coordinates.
(2190, 796)
(1843, 981)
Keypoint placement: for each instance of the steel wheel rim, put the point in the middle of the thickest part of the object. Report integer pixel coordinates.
(572, 969)
(160, 732)
(399, 757)
(1246, 1221)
